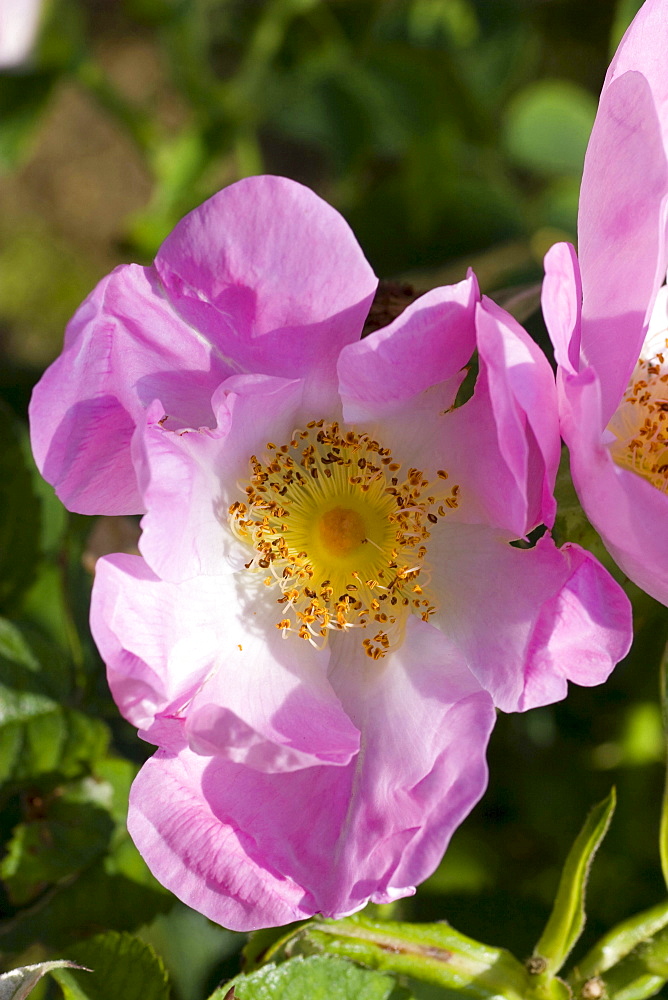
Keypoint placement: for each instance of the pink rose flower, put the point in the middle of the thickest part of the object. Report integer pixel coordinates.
(607, 315)
(327, 607)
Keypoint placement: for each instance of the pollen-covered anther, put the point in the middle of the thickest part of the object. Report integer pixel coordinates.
(344, 537)
(640, 424)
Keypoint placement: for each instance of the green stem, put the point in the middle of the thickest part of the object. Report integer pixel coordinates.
(433, 953)
(663, 828)
(620, 942)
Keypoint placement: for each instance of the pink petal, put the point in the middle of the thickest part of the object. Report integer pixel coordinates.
(212, 865)
(467, 448)
(502, 446)
(621, 231)
(581, 634)
(643, 48)
(159, 641)
(628, 512)
(124, 347)
(194, 651)
(561, 301)
(403, 381)
(191, 477)
(430, 342)
(510, 610)
(252, 850)
(524, 400)
(425, 723)
(274, 274)
(264, 277)
(269, 703)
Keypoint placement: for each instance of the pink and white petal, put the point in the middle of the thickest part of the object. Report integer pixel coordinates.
(627, 511)
(194, 651)
(523, 397)
(237, 844)
(189, 478)
(158, 640)
(561, 301)
(655, 341)
(621, 231)
(268, 704)
(429, 343)
(467, 448)
(274, 275)
(124, 347)
(425, 723)
(413, 429)
(494, 600)
(495, 447)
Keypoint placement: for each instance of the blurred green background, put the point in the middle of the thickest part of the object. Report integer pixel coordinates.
(449, 133)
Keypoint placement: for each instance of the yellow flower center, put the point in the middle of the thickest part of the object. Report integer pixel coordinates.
(342, 531)
(640, 424)
(343, 536)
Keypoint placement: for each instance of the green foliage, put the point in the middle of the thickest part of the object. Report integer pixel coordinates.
(80, 906)
(621, 942)
(433, 953)
(18, 984)
(313, 978)
(120, 966)
(45, 850)
(23, 99)
(38, 734)
(663, 829)
(568, 914)
(20, 514)
(68, 866)
(547, 127)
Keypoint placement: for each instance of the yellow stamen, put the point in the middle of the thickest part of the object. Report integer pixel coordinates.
(640, 424)
(342, 537)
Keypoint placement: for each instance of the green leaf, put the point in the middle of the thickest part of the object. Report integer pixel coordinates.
(620, 942)
(568, 914)
(194, 949)
(319, 977)
(23, 651)
(93, 899)
(18, 984)
(73, 844)
(641, 973)
(53, 515)
(38, 734)
(431, 953)
(547, 127)
(47, 849)
(663, 828)
(263, 944)
(15, 649)
(20, 513)
(121, 966)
